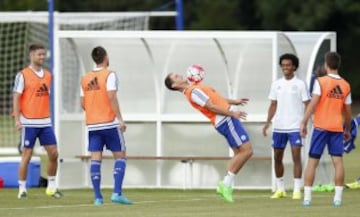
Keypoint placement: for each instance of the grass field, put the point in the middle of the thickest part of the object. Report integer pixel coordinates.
(174, 203)
(184, 203)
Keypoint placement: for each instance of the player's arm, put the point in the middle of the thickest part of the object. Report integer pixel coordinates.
(17, 92)
(225, 112)
(273, 95)
(271, 113)
(112, 87)
(309, 111)
(241, 101)
(116, 108)
(305, 95)
(202, 99)
(82, 103)
(347, 117)
(306, 103)
(82, 98)
(115, 104)
(16, 109)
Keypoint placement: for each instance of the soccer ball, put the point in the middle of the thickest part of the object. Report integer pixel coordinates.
(195, 73)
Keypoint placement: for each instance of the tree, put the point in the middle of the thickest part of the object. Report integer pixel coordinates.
(320, 15)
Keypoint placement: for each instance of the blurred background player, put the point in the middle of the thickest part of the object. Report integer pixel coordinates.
(331, 98)
(105, 124)
(288, 96)
(31, 104)
(226, 122)
(350, 145)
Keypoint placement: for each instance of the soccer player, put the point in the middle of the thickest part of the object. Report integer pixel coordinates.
(331, 99)
(288, 96)
(217, 108)
(105, 124)
(31, 110)
(350, 145)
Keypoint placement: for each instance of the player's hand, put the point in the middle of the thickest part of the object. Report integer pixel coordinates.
(122, 126)
(242, 101)
(347, 135)
(265, 128)
(18, 125)
(303, 129)
(240, 114)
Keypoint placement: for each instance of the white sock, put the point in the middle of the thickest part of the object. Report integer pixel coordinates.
(307, 193)
(51, 183)
(229, 179)
(280, 184)
(338, 193)
(22, 185)
(297, 185)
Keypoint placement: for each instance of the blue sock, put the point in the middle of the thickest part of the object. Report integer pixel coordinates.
(95, 172)
(119, 172)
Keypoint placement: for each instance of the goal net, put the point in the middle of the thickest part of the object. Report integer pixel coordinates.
(19, 29)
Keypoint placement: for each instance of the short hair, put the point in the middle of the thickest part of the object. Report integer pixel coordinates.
(36, 46)
(98, 54)
(288, 56)
(169, 82)
(333, 60)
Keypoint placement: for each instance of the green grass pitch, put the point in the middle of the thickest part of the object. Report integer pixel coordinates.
(173, 203)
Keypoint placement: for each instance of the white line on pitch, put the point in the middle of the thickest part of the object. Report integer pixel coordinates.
(139, 202)
(91, 205)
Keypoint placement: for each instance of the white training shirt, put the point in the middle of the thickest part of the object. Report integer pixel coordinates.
(111, 85)
(317, 89)
(290, 96)
(199, 97)
(19, 86)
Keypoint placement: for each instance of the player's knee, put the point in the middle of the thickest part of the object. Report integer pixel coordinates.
(25, 160)
(53, 155)
(119, 154)
(278, 160)
(249, 151)
(297, 160)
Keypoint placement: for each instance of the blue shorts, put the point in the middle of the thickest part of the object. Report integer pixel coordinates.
(320, 138)
(46, 136)
(112, 139)
(232, 129)
(281, 139)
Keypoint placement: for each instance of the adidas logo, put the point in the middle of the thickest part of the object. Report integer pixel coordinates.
(336, 93)
(93, 85)
(42, 91)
